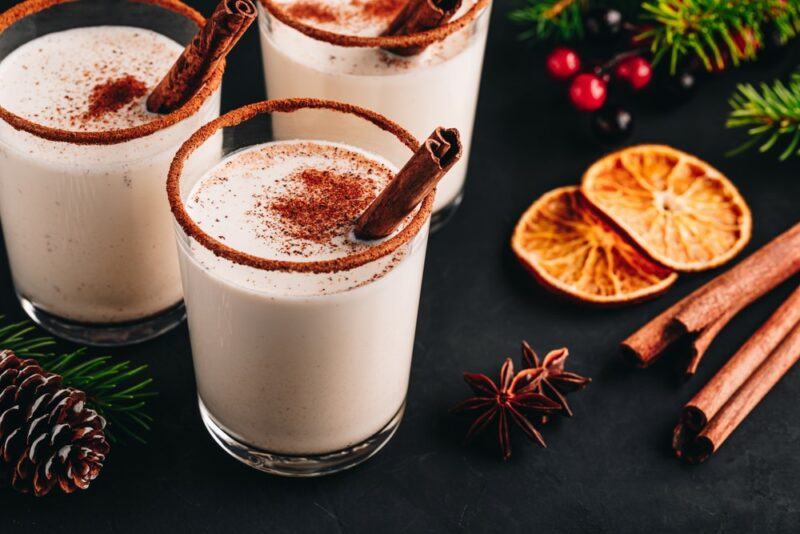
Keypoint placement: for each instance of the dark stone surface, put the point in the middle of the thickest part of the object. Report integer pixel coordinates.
(609, 469)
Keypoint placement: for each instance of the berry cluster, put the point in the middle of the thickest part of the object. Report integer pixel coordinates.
(599, 86)
(589, 90)
(589, 85)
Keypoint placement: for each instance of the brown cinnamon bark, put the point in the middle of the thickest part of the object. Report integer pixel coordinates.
(731, 291)
(412, 184)
(704, 339)
(647, 343)
(746, 282)
(733, 374)
(715, 412)
(419, 16)
(203, 56)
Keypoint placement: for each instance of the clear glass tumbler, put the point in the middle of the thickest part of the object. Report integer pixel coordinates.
(306, 58)
(86, 223)
(302, 365)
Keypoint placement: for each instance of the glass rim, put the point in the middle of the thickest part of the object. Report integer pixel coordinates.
(235, 117)
(424, 38)
(114, 136)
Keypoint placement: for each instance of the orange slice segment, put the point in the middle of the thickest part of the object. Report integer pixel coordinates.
(680, 210)
(572, 251)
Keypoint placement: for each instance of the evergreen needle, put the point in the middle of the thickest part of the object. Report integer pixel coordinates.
(770, 114)
(714, 30)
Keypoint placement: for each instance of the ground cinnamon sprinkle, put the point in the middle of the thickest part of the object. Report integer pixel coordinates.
(323, 204)
(312, 11)
(316, 11)
(113, 95)
(379, 9)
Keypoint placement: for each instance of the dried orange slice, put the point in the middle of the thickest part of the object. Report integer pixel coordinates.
(572, 251)
(680, 210)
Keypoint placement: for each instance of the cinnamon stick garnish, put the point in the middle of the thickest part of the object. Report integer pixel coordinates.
(727, 294)
(714, 413)
(201, 58)
(419, 16)
(413, 183)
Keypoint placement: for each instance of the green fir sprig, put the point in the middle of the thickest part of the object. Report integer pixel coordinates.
(551, 19)
(771, 114)
(116, 390)
(706, 28)
(562, 20)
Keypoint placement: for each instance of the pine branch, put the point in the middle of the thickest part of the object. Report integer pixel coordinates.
(18, 337)
(551, 19)
(712, 29)
(117, 391)
(562, 20)
(771, 114)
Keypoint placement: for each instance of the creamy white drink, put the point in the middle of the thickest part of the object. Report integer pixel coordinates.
(434, 88)
(298, 363)
(87, 227)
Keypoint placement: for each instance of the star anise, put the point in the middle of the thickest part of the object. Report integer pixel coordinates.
(553, 381)
(515, 398)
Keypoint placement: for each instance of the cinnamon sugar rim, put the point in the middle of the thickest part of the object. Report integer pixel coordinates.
(383, 41)
(289, 105)
(108, 137)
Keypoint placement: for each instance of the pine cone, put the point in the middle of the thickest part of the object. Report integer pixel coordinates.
(48, 436)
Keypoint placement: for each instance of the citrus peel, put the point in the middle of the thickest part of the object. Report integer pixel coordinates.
(572, 251)
(678, 209)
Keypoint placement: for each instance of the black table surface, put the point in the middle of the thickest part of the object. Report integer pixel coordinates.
(608, 469)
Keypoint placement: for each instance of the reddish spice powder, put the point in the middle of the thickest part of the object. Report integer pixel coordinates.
(324, 204)
(321, 13)
(113, 95)
(312, 11)
(379, 9)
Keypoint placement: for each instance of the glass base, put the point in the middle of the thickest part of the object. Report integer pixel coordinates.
(445, 213)
(312, 465)
(106, 334)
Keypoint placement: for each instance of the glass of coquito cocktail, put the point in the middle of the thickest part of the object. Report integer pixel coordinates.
(417, 62)
(302, 263)
(84, 156)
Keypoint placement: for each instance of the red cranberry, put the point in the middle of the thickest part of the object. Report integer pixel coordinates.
(587, 92)
(636, 71)
(563, 63)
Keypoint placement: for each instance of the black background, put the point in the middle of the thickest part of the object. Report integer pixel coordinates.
(609, 469)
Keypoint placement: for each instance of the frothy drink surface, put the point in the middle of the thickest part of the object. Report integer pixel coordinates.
(86, 79)
(353, 17)
(290, 200)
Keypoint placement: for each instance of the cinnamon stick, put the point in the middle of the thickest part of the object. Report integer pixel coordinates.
(419, 16)
(749, 280)
(413, 183)
(203, 56)
(715, 412)
(704, 339)
(730, 292)
(733, 374)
